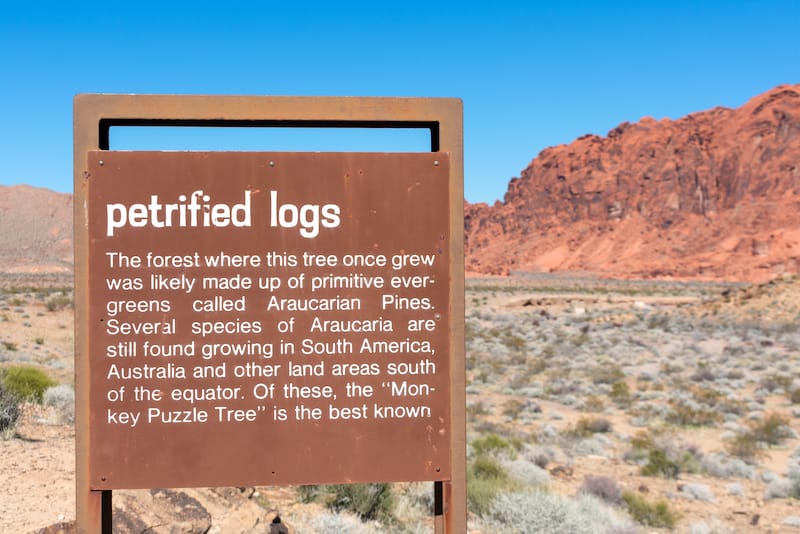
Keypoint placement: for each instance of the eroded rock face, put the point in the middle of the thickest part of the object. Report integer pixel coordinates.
(714, 194)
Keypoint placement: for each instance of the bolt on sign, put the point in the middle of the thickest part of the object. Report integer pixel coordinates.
(266, 318)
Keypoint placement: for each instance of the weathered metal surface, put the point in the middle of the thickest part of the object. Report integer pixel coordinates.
(95, 113)
(391, 208)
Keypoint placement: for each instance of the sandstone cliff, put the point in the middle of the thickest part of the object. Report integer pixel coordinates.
(712, 195)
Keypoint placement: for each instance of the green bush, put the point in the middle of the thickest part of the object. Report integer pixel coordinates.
(656, 514)
(620, 393)
(486, 478)
(608, 374)
(488, 467)
(367, 501)
(492, 444)
(25, 382)
(659, 465)
(308, 493)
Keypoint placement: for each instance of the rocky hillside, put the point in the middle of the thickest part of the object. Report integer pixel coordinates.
(713, 195)
(35, 230)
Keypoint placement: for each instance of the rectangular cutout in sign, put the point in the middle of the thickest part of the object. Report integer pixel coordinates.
(268, 318)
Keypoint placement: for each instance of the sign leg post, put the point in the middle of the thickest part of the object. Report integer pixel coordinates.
(105, 511)
(438, 507)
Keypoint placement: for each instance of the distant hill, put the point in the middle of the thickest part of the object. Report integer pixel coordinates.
(35, 230)
(713, 195)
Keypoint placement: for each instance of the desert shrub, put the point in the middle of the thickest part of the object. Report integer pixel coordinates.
(780, 488)
(703, 374)
(62, 398)
(659, 321)
(513, 407)
(659, 465)
(745, 446)
(513, 341)
(620, 393)
(669, 368)
(604, 488)
(683, 414)
(794, 396)
(9, 409)
(735, 489)
(486, 478)
(775, 381)
(25, 382)
(697, 492)
(540, 511)
(336, 523)
(644, 440)
(772, 429)
(587, 426)
(476, 408)
(309, 493)
(487, 467)
(58, 302)
(656, 514)
(594, 404)
(526, 472)
(493, 444)
(607, 374)
(10, 346)
(367, 501)
(724, 466)
(416, 495)
(689, 461)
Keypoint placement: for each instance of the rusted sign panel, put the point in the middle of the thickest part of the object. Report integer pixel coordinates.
(268, 318)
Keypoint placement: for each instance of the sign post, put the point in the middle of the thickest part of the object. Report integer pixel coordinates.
(274, 317)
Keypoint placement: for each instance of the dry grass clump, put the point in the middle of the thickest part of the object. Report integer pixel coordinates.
(604, 488)
(586, 426)
(688, 413)
(771, 430)
(651, 514)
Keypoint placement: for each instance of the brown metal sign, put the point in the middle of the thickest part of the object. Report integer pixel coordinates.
(268, 318)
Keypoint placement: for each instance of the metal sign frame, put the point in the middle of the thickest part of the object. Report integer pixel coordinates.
(95, 114)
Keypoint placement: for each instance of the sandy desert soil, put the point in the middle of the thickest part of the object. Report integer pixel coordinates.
(547, 358)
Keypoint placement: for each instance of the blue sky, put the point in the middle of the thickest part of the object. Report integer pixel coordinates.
(531, 74)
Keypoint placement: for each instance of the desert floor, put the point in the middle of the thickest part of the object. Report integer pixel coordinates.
(692, 383)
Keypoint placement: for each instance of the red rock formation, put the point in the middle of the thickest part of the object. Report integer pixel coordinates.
(713, 195)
